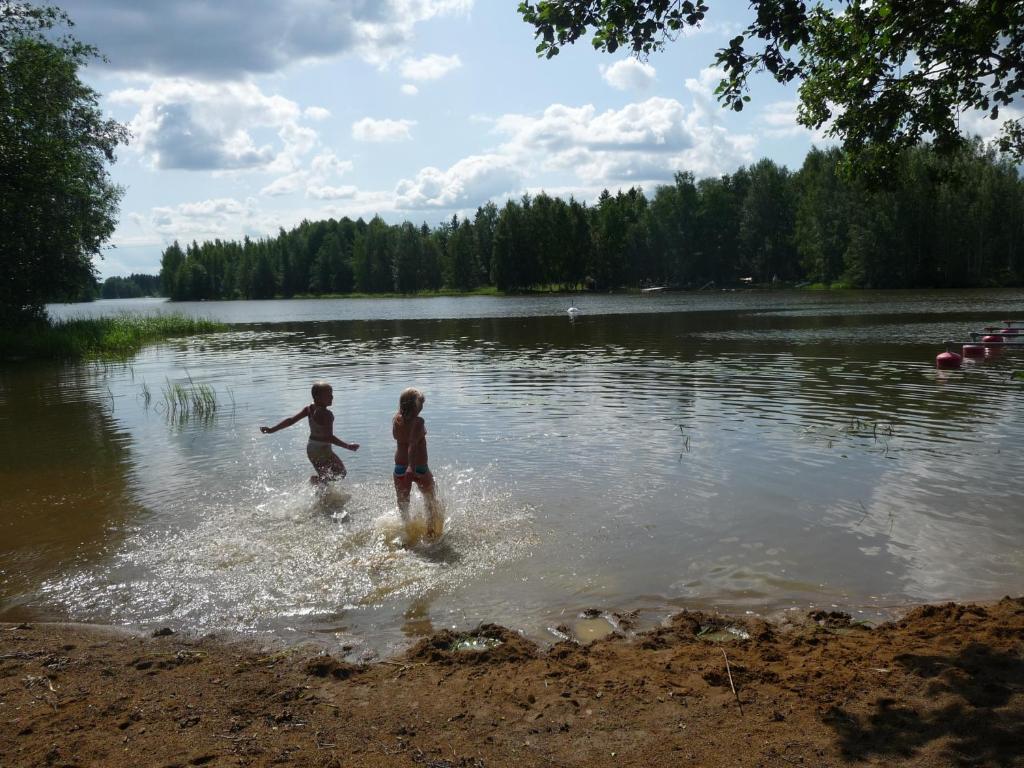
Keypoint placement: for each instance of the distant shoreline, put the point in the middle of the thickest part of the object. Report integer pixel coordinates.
(658, 290)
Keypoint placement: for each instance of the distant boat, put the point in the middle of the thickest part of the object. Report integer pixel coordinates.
(653, 290)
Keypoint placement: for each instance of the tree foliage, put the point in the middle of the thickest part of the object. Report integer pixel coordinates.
(132, 287)
(881, 74)
(57, 202)
(943, 221)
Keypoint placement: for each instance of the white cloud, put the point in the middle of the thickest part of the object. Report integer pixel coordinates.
(978, 123)
(328, 164)
(646, 141)
(232, 219)
(285, 185)
(629, 75)
(779, 119)
(466, 184)
(317, 113)
(225, 218)
(184, 124)
(369, 129)
(316, 179)
(409, 89)
(331, 193)
(432, 67)
(230, 40)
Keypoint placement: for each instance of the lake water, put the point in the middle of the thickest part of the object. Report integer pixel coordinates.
(749, 451)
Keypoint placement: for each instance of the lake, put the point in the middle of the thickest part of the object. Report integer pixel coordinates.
(742, 451)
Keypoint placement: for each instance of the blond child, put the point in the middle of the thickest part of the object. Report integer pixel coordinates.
(410, 433)
(319, 449)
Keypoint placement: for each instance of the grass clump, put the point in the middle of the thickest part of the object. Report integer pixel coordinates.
(116, 336)
(185, 399)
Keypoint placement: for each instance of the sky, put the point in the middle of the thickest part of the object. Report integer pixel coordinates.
(248, 117)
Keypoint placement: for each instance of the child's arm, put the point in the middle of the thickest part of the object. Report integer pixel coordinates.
(342, 444)
(287, 422)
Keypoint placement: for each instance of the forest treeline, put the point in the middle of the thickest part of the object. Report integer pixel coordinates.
(132, 287)
(939, 221)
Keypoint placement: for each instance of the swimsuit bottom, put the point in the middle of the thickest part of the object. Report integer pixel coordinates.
(420, 469)
(318, 450)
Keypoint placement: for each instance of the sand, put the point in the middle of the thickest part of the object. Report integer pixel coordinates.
(944, 686)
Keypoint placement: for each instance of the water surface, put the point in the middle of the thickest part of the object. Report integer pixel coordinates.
(742, 451)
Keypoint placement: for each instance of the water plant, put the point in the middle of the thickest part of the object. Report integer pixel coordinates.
(864, 427)
(114, 336)
(187, 399)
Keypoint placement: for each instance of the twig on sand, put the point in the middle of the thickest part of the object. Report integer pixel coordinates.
(728, 671)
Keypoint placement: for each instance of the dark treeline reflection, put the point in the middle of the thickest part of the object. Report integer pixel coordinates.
(940, 222)
(64, 479)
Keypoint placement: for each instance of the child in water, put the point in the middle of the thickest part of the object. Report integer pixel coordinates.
(321, 435)
(410, 433)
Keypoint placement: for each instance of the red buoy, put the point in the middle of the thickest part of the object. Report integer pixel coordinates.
(991, 338)
(973, 350)
(1009, 331)
(947, 360)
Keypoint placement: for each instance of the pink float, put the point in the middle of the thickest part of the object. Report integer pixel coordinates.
(973, 350)
(948, 360)
(992, 339)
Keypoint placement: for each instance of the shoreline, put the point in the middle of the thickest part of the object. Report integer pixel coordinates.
(583, 625)
(943, 685)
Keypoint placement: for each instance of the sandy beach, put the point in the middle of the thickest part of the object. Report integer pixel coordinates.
(944, 686)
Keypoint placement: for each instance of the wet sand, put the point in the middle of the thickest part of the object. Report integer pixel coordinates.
(944, 686)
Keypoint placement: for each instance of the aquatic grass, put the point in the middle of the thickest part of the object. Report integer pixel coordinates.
(187, 399)
(115, 336)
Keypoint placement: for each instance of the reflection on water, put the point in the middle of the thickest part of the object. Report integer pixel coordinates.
(64, 485)
(747, 459)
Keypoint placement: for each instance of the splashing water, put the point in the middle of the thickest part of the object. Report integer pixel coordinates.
(298, 554)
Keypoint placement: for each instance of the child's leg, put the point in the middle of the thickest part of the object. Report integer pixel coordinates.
(337, 466)
(435, 516)
(327, 468)
(403, 486)
(325, 461)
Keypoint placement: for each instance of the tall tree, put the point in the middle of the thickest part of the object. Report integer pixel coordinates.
(822, 216)
(483, 231)
(170, 262)
(462, 258)
(766, 223)
(407, 259)
(57, 202)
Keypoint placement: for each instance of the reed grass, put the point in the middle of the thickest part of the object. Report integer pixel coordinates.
(187, 399)
(116, 336)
